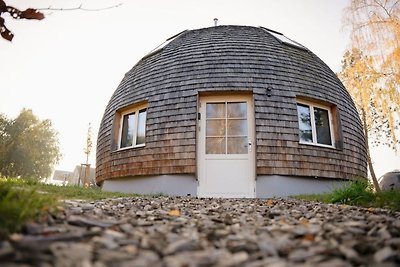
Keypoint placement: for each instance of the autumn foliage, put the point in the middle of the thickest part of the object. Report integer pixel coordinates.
(371, 70)
(15, 13)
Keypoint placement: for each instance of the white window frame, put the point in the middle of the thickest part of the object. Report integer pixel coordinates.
(312, 105)
(135, 110)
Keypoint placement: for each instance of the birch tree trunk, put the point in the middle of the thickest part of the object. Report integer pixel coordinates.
(370, 165)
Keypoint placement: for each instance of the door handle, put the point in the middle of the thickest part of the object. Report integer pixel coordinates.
(250, 146)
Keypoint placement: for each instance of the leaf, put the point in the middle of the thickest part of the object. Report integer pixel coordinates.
(309, 237)
(2, 5)
(304, 221)
(6, 34)
(269, 202)
(15, 237)
(174, 213)
(31, 13)
(15, 13)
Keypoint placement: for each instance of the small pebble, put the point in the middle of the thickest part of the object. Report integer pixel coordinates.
(184, 231)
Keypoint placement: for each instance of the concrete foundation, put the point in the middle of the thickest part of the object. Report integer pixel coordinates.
(284, 186)
(171, 185)
(186, 185)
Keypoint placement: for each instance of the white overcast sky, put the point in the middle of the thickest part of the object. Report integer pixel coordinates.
(66, 67)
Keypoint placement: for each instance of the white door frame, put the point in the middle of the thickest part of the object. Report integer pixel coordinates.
(202, 157)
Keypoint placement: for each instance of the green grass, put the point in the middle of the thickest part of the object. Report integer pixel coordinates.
(358, 193)
(19, 205)
(22, 201)
(78, 192)
(65, 192)
(324, 198)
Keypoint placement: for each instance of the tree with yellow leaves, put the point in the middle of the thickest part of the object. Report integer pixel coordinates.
(371, 69)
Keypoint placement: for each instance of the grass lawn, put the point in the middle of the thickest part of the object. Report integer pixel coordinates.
(26, 200)
(22, 201)
(358, 193)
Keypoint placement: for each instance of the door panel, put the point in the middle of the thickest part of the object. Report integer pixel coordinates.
(225, 178)
(226, 163)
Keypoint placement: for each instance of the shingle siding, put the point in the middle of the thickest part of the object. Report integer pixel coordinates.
(226, 59)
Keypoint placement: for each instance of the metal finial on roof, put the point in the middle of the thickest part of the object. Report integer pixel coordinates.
(215, 22)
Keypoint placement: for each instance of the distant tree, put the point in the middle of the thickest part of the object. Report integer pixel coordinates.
(29, 147)
(87, 150)
(373, 76)
(4, 138)
(89, 144)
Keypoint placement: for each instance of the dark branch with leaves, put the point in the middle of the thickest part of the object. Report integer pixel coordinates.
(34, 13)
(15, 13)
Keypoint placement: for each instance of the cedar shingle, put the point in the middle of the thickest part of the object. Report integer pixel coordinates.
(228, 59)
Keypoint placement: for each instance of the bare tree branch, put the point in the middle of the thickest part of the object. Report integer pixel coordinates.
(393, 6)
(379, 3)
(80, 7)
(34, 13)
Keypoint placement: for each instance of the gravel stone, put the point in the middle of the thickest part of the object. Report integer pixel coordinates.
(384, 254)
(71, 254)
(189, 232)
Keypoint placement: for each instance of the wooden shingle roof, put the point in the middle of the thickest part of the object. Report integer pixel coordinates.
(229, 59)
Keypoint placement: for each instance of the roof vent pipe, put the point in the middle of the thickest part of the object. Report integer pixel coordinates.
(215, 22)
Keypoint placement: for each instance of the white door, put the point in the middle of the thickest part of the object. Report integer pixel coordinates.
(226, 154)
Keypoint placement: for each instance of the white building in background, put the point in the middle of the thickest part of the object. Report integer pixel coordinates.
(77, 176)
(60, 177)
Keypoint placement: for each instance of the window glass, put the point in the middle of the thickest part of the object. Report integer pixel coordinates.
(305, 127)
(237, 127)
(237, 145)
(323, 131)
(215, 127)
(314, 124)
(132, 130)
(215, 110)
(127, 130)
(141, 128)
(226, 128)
(215, 145)
(237, 110)
(285, 39)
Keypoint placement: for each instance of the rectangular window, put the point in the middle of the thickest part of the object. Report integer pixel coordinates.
(226, 128)
(127, 130)
(315, 125)
(133, 128)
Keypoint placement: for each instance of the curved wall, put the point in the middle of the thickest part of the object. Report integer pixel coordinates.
(231, 59)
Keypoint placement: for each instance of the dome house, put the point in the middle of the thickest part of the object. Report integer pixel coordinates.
(229, 111)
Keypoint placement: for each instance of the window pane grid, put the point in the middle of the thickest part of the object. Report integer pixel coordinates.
(141, 127)
(226, 128)
(305, 122)
(314, 125)
(127, 130)
(322, 131)
(216, 121)
(133, 129)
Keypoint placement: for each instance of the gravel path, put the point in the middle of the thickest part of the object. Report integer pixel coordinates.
(189, 232)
